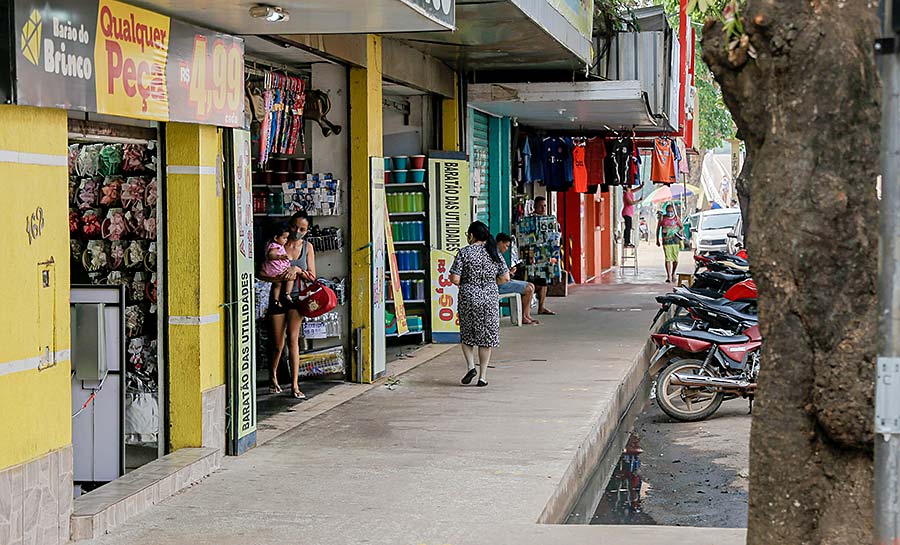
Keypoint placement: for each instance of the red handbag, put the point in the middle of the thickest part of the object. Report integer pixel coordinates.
(315, 300)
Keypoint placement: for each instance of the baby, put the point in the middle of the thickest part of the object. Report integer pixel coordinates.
(276, 263)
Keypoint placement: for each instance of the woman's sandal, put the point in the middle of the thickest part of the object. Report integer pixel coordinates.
(275, 389)
(299, 395)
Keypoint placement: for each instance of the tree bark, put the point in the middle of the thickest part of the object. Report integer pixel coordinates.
(808, 111)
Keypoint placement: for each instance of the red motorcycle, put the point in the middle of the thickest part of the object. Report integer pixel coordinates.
(708, 367)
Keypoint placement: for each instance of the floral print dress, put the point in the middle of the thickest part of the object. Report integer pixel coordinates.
(478, 303)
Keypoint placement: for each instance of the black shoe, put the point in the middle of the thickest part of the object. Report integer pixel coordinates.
(469, 376)
(482, 382)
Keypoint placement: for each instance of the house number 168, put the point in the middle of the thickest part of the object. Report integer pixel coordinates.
(34, 224)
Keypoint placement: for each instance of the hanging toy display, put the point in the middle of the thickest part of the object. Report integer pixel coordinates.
(282, 125)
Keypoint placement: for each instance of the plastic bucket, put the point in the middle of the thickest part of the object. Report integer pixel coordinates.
(387, 176)
(417, 176)
(399, 176)
(417, 162)
(401, 162)
(387, 163)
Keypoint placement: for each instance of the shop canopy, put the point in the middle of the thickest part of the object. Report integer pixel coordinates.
(575, 106)
(315, 16)
(513, 35)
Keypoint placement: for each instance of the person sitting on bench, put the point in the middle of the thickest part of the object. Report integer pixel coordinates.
(525, 289)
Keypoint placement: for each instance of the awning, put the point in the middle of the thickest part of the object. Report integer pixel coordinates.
(497, 35)
(590, 105)
(315, 16)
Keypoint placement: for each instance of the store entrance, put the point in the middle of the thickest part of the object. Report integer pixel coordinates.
(299, 169)
(115, 195)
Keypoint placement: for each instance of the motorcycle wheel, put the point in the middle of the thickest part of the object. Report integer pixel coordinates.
(684, 403)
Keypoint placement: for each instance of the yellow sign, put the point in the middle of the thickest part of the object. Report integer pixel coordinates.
(452, 212)
(31, 38)
(134, 44)
(399, 309)
(578, 12)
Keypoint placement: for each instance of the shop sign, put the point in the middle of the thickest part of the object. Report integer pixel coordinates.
(443, 11)
(244, 392)
(399, 307)
(580, 13)
(379, 213)
(450, 201)
(112, 58)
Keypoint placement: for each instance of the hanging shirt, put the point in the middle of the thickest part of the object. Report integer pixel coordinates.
(635, 162)
(568, 161)
(662, 165)
(535, 145)
(580, 172)
(595, 152)
(526, 162)
(616, 165)
(554, 152)
(683, 164)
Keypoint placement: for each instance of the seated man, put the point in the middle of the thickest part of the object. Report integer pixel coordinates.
(525, 289)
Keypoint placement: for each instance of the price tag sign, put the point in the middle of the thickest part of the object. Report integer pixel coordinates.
(206, 82)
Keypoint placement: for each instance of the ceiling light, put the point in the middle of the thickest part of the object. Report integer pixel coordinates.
(273, 14)
(562, 111)
(573, 119)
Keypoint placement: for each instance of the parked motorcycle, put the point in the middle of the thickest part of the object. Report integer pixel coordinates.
(719, 366)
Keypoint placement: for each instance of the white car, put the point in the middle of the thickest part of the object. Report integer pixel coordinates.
(711, 232)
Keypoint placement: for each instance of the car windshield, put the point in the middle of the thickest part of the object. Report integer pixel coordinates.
(719, 221)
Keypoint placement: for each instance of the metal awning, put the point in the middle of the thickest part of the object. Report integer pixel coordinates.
(588, 105)
(314, 16)
(497, 35)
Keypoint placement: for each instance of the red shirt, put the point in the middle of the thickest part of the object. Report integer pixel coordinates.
(594, 156)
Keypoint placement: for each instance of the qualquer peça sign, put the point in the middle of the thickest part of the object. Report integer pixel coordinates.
(109, 57)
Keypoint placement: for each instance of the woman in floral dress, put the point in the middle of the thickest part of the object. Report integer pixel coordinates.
(478, 269)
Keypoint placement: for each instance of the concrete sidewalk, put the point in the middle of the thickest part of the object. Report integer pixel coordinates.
(432, 462)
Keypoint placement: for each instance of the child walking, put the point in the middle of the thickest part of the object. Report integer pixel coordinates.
(276, 263)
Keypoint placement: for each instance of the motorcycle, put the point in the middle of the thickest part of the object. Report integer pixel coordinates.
(700, 310)
(715, 366)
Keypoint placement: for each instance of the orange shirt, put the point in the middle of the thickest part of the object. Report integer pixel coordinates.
(662, 165)
(580, 168)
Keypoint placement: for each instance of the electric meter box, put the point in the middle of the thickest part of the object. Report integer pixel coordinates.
(89, 341)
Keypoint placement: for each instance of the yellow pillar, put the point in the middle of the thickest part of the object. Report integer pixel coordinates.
(366, 132)
(35, 381)
(450, 119)
(196, 281)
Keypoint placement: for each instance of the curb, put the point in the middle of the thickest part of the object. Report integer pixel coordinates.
(601, 437)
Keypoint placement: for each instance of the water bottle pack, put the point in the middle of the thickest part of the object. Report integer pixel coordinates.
(408, 231)
(406, 202)
(412, 290)
(408, 260)
(322, 327)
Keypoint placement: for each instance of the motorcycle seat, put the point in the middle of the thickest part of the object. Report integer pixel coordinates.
(725, 277)
(732, 311)
(713, 338)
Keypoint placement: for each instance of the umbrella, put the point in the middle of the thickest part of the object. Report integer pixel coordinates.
(673, 192)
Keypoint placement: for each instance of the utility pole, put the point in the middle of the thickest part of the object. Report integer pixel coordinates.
(887, 386)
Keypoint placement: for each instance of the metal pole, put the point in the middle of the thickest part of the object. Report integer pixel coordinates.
(887, 386)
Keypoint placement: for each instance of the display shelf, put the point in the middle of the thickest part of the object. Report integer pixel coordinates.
(282, 215)
(407, 334)
(407, 214)
(416, 272)
(405, 186)
(409, 301)
(409, 243)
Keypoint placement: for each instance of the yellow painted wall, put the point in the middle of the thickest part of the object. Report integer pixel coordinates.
(366, 131)
(196, 279)
(35, 406)
(450, 119)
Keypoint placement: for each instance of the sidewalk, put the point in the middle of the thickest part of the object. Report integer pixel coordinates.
(432, 462)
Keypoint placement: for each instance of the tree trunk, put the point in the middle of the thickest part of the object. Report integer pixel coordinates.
(808, 110)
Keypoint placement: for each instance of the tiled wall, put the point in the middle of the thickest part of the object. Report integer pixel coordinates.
(36, 500)
(214, 418)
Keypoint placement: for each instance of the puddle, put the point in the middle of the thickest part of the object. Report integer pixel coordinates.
(610, 490)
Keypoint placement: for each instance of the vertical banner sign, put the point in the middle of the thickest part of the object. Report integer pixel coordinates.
(379, 301)
(399, 308)
(243, 407)
(450, 201)
(109, 57)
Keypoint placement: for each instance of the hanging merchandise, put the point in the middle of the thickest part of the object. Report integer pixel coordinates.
(284, 98)
(554, 151)
(539, 247)
(663, 162)
(617, 162)
(568, 161)
(580, 171)
(634, 178)
(595, 153)
(525, 167)
(684, 166)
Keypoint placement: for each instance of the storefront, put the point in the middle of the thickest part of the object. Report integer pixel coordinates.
(490, 146)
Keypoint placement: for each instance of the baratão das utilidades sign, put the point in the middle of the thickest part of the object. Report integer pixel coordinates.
(112, 58)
